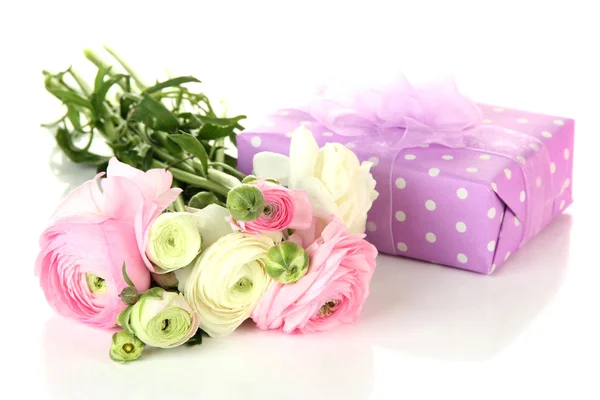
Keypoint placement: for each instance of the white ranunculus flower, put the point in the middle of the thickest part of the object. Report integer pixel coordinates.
(336, 182)
(212, 225)
(173, 241)
(228, 280)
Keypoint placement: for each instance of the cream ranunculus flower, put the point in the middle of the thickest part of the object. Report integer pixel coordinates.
(228, 280)
(336, 182)
(173, 241)
(160, 319)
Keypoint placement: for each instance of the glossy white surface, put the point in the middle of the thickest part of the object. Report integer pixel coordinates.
(529, 331)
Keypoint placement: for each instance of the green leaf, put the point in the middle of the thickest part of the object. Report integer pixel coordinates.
(155, 115)
(65, 142)
(170, 83)
(190, 144)
(123, 320)
(69, 98)
(125, 105)
(222, 122)
(190, 121)
(99, 80)
(73, 115)
(203, 199)
(99, 95)
(125, 276)
(154, 292)
(209, 131)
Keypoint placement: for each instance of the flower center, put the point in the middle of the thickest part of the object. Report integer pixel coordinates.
(171, 241)
(269, 210)
(243, 285)
(96, 284)
(328, 308)
(127, 348)
(165, 324)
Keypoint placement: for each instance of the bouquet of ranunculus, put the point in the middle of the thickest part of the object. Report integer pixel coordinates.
(289, 254)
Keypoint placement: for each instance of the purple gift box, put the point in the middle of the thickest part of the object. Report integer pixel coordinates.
(469, 207)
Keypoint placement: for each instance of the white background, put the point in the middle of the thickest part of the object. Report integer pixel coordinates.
(529, 331)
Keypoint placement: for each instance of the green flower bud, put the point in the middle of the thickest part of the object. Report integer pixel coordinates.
(250, 179)
(125, 347)
(129, 295)
(96, 284)
(161, 319)
(173, 241)
(287, 262)
(245, 202)
(203, 199)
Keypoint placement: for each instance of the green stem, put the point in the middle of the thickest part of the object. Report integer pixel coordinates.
(98, 62)
(165, 156)
(198, 166)
(87, 90)
(178, 204)
(192, 179)
(229, 169)
(138, 81)
(220, 152)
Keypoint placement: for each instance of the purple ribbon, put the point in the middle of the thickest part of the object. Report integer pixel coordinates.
(397, 115)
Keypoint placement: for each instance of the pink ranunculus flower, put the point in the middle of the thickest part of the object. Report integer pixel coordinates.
(285, 209)
(334, 289)
(98, 227)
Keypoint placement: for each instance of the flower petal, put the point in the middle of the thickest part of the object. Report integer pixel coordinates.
(320, 198)
(269, 165)
(303, 213)
(304, 152)
(80, 201)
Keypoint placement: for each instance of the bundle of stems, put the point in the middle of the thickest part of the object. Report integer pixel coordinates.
(164, 125)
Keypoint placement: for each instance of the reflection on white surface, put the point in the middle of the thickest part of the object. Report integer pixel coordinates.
(435, 311)
(249, 364)
(415, 308)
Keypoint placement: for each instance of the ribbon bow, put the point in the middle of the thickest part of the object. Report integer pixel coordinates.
(400, 113)
(397, 115)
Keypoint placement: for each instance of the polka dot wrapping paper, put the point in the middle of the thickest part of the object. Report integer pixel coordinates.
(452, 206)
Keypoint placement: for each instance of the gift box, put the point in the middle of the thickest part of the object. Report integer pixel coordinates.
(460, 184)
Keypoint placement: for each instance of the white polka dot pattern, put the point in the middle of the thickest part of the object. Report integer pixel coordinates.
(400, 216)
(256, 141)
(441, 196)
(431, 237)
(430, 205)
